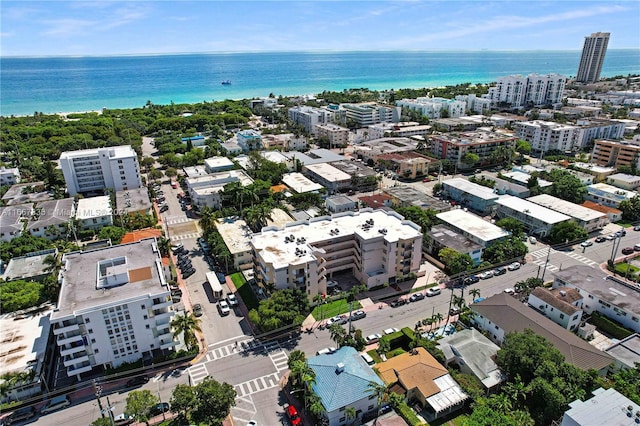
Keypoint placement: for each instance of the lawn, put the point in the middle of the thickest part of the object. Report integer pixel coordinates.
(331, 309)
(621, 268)
(245, 291)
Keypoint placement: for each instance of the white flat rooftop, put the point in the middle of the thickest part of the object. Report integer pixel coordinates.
(595, 168)
(534, 210)
(217, 162)
(273, 248)
(614, 190)
(300, 183)
(471, 188)
(88, 208)
(235, 233)
(473, 225)
(329, 172)
(24, 339)
(523, 178)
(569, 208)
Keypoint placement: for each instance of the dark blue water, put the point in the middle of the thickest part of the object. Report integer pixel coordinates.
(89, 83)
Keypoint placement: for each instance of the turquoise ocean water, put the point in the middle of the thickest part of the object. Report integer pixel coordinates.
(90, 83)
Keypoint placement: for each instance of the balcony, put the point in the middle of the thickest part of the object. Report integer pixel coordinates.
(65, 328)
(85, 367)
(70, 351)
(168, 345)
(69, 361)
(161, 316)
(65, 339)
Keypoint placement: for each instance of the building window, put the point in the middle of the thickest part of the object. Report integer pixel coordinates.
(147, 326)
(561, 316)
(90, 330)
(93, 341)
(145, 317)
(96, 351)
(342, 409)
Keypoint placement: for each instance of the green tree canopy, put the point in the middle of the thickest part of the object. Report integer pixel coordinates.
(113, 233)
(139, 403)
(566, 186)
(425, 218)
(631, 209)
(214, 401)
(20, 294)
(566, 231)
(283, 308)
(183, 399)
(455, 262)
(512, 225)
(511, 248)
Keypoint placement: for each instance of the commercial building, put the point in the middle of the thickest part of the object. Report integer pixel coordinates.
(236, 236)
(537, 219)
(440, 237)
(205, 190)
(401, 129)
(516, 91)
(308, 117)
(616, 153)
(624, 181)
(333, 179)
(455, 146)
(50, 219)
(547, 135)
(591, 129)
(340, 204)
(610, 297)
(13, 219)
(91, 170)
(373, 149)
(561, 305)
(407, 196)
(471, 195)
(593, 52)
(473, 227)
(343, 380)
(606, 407)
(433, 107)
(337, 136)
(114, 307)
(502, 314)
(408, 165)
(9, 176)
(368, 113)
(589, 220)
(375, 246)
(363, 178)
(133, 201)
(313, 156)
(608, 195)
(284, 142)
(95, 212)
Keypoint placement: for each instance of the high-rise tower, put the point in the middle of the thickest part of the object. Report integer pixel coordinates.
(595, 47)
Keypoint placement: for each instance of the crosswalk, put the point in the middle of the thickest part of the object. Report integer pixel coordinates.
(197, 373)
(257, 385)
(187, 236)
(244, 410)
(215, 353)
(540, 256)
(174, 220)
(280, 360)
(582, 259)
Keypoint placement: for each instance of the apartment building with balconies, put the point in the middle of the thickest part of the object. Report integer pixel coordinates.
(591, 129)
(456, 145)
(114, 307)
(92, 170)
(308, 117)
(516, 91)
(368, 113)
(434, 107)
(616, 153)
(375, 246)
(547, 135)
(337, 136)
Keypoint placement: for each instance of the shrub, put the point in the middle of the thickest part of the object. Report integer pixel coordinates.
(395, 352)
(408, 415)
(609, 326)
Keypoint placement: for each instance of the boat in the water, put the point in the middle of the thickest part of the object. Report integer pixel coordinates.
(226, 82)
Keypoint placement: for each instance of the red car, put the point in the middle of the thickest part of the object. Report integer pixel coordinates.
(293, 415)
(627, 250)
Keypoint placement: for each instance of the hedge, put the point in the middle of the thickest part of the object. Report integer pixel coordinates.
(408, 415)
(609, 326)
(395, 352)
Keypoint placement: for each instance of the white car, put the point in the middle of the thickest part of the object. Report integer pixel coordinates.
(338, 319)
(390, 330)
(486, 274)
(587, 243)
(372, 338)
(509, 291)
(533, 240)
(232, 299)
(514, 266)
(434, 291)
(224, 307)
(328, 350)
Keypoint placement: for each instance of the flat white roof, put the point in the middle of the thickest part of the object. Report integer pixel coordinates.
(594, 168)
(571, 209)
(328, 172)
(24, 339)
(218, 162)
(299, 183)
(271, 245)
(524, 178)
(89, 208)
(534, 210)
(195, 171)
(614, 190)
(279, 218)
(235, 233)
(471, 188)
(623, 177)
(473, 225)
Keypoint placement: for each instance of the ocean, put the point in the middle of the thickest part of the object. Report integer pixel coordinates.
(65, 84)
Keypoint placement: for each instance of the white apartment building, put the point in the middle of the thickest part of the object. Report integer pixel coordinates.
(330, 177)
(537, 219)
(9, 176)
(308, 117)
(589, 220)
(547, 135)
(205, 190)
(90, 170)
(95, 212)
(338, 136)
(376, 246)
(561, 305)
(368, 113)
(433, 107)
(475, 104)
(237, 236)
(473, 227)
(516, 91)
(590, 129)
(114, 307)
(608, 195)
(624, 181)
(403, 129)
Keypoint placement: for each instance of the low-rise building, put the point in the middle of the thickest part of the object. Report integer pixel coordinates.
(474, 354)
(114, 307)
(440, 237)
(407, 196)
(24, 193)
(626, 352)
(51, 219)
(408, 165)
(405, 129)
(473, 227)
(503, 187)
(375, 246)
(602, 293)
(196, 141)
(433, 107)
(537, 219)
(599, 173)
(471, 195)
(94, 212)
(218, 164)
(31, 266)
(231, 147)
(475, 104)
(502, 314)
(9, 176)
(624, 181)
(333, 179)
(606, 407)
(313, 156)
(300, 184)
(133, 201)
(363, 178)
(608, 195)
(456, 145)
(613, 215)
(589, 220)
(13, 219)
(237, 237)
(375, 201)
(343, 380)
(616, 153)
(340, 204)
(418, 376)
(337, 136)
(560, 305)
(522, 178)
(249, 140)
(205, 190)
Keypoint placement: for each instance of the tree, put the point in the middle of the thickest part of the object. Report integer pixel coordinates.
(147, 163)
(155, 174)
(139, 404)
(512, 225)
(566, 186)
(112, 233)
(101, 421)
(379, 391)
(455, 262)
(350, 414)
(631, 209)
(186, 325)
(627, 382)
(214, 401)
(284, 307)
(470, 158)
(164, 245)
(564, 232)
(383, 346)
(20, 294)
(171, 172)
(475, 293)
(183, 399)
(523, 148)
(337, 334)
(504, 250)
(522, 353)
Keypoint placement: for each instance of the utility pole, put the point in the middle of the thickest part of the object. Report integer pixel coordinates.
(110, 412)
(546, 262)
(97, 390)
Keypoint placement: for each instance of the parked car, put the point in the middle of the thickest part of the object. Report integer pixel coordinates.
(499, 271)
(416, 296)
(611, 237)
(621, 233)
(338, 319)
(587, 243)
(533, 240)
(514, 266)
(486, 275)
(232, 299)
(358, 315)
(161, 407)
(454, 311)
(627, 250)
(636, 228)
(509, 291)
(176, 292)
(372, 338)
(434, 291)
(186, 274)
(164, 208)
(398, 302)
(197, 310)
(328, 350)
(223, 307)
(137, 381)
(390, 330)
(636, 247)
(600, 240)
(19, 415)
(471, 279)
(332, 284)
(55, 404)
(177, 249)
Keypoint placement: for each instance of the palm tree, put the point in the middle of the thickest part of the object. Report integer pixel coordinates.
(437, 318)
(350, 413)
(53, 262)
(458, 301)
(315, 405)
(475, 293)
(207, 219)
(186, 325)
(516, 391)
(380, 392)
(308, 378)
(337, 334)
(164, 245)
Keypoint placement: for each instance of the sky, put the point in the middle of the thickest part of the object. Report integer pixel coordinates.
(83, 28)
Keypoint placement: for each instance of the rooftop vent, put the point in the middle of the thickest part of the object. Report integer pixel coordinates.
(339, 368)
(563, 293)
